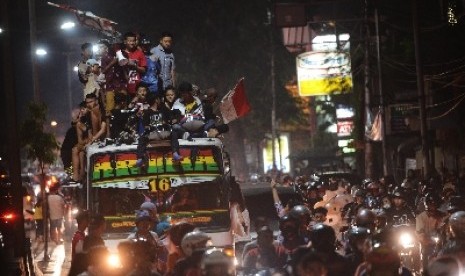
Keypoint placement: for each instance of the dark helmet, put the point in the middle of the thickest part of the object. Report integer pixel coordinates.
(323, 237)
(302, 213)
(432, 199)
(356, 233)
(288, 218)
(398, 193)
(406, 184)
(365, 218)
(366, 181)
(456, 203)
(457, 224)
(359, 192)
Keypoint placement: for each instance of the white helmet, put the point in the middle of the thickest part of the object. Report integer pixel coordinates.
(216, 257)
(194, 240)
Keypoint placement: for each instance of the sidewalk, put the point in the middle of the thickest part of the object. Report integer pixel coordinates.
(60, 257)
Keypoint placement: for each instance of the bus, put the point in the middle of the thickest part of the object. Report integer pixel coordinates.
(116, 187)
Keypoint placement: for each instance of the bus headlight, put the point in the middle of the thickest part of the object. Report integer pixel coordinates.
(114, 261)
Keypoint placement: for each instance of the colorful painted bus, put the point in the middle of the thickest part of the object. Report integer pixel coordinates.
(117, 187)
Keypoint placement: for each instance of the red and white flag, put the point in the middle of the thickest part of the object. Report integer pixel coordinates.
(234, 104)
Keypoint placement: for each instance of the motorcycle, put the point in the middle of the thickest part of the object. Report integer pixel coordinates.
(407, 244)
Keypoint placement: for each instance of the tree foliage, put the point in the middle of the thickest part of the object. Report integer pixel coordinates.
(38, 144)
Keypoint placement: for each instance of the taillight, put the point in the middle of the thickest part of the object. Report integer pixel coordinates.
(8, 217)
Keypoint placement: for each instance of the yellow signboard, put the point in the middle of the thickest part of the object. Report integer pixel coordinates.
(323, 73)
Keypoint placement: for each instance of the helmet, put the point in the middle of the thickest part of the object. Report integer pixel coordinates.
(356, 233)
(365, 218)
(373, 185)
(178, 231)
(215, 257)
(359, 192)
(302, 213)
(456, 203)
(149, 206)
(288, 218)
(366, 181)
(398, 192)
(431, 199)
(406, 184)
(457, 224)
(194, 240)
(323, 237)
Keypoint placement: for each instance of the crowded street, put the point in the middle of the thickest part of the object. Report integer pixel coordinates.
(223, 138)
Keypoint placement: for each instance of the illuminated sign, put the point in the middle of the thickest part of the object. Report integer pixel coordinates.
(119, 170)
(345, 128)
(281, 148)
(323, 73)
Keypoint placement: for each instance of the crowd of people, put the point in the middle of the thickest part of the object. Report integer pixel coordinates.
(331, 227)
(130, 96)
(334, 227)
(180, 249)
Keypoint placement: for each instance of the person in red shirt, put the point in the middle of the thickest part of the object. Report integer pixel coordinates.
(77, 242)
(267, 255)
(137, 64)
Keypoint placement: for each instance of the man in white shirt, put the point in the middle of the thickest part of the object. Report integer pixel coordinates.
(56, 205)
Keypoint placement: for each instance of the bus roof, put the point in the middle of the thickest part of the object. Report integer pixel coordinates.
(96, 148)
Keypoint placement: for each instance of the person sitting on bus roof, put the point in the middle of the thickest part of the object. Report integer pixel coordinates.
(97, 115)
(83, 139)
(118, 117)
(154, 125)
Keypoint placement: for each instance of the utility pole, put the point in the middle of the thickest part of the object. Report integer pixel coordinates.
(421, 92)
(381, 96)
(369, 170)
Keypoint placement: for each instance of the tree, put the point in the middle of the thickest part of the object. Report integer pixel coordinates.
(39, 145)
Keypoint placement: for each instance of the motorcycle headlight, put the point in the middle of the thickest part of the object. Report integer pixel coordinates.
(114, 261)
(406, 240)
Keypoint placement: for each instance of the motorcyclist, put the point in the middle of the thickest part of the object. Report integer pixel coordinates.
(193, 245)
(358, 245)
(428, 224)
(216, 263)
(366, 218)
(456, 246)
(382, 260)
(304, 215)
(374, 199)
(323, 240)
(400, 212)
(311, 195)
(359, 203)
(289, 227)
(409, 191)
(267, 255)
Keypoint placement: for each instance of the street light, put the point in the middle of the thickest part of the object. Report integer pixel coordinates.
(75, 68)
(1, 30)
(67, 25)
(53, 123)
(41, 52)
